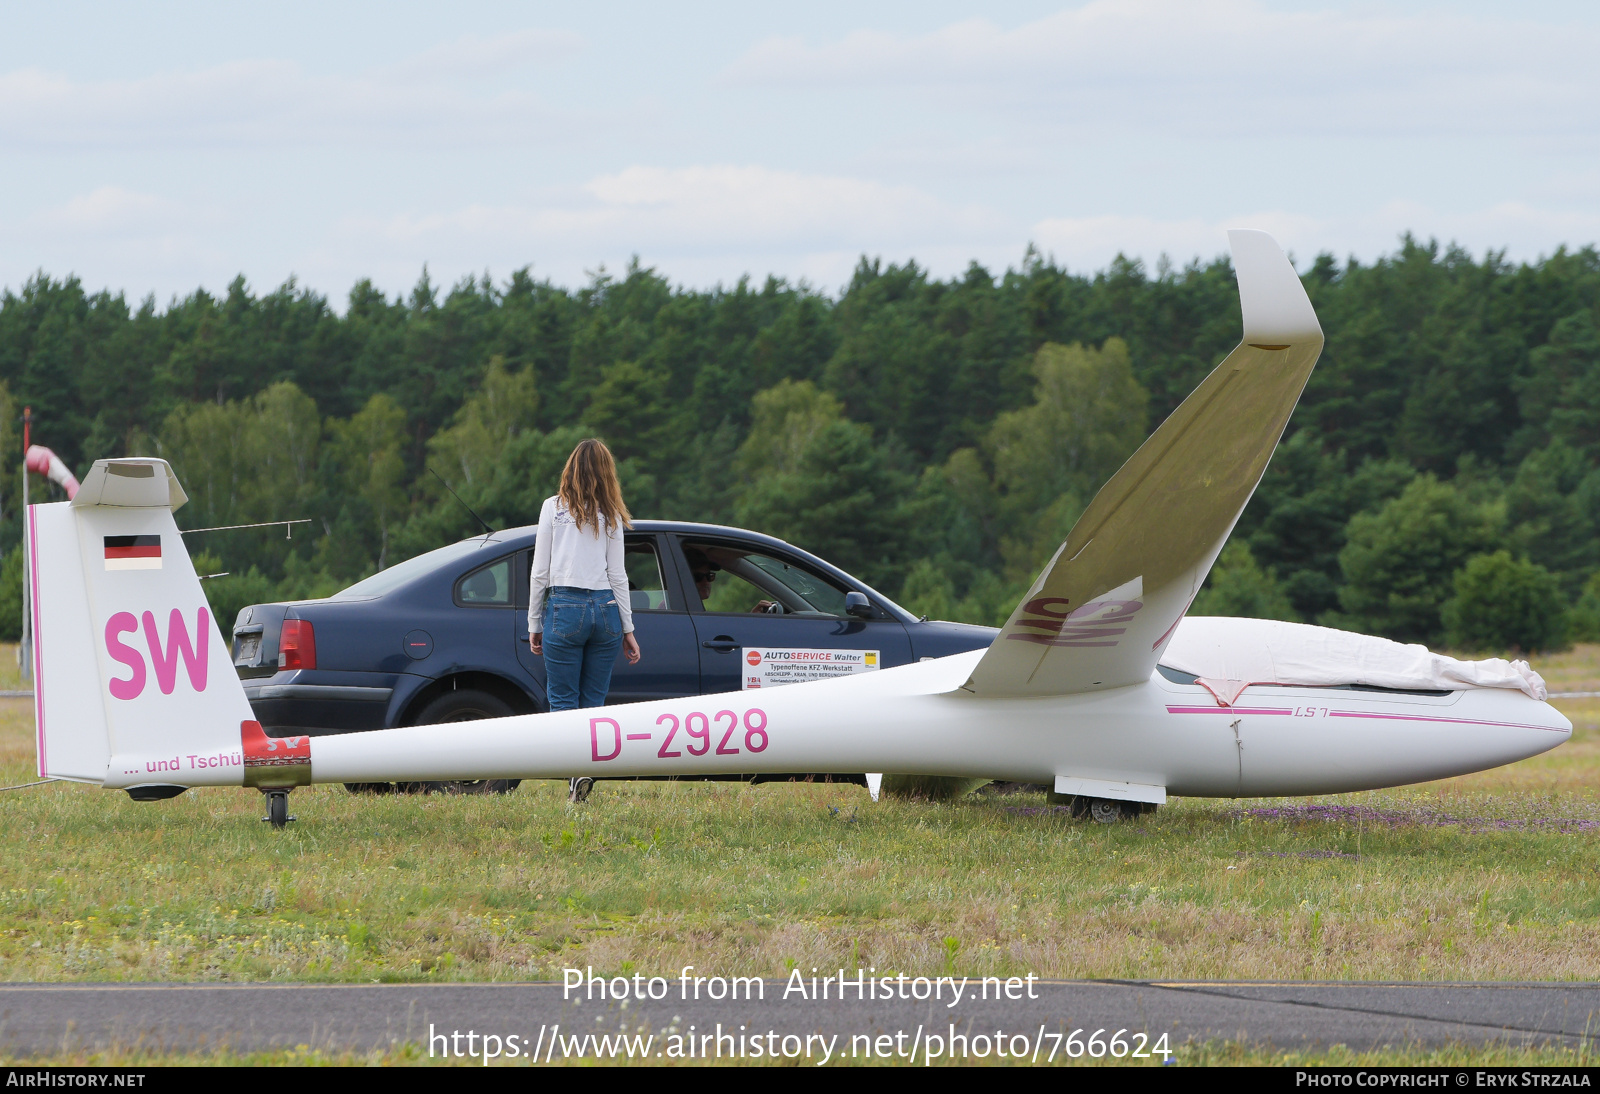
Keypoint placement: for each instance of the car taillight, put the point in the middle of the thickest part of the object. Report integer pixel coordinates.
(297, 645)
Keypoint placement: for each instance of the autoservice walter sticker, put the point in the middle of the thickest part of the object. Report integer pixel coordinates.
(771, 668)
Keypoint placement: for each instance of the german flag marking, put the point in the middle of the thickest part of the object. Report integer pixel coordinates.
(133, 552)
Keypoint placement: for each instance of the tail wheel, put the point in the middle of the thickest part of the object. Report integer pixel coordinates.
(463, 705)
(277, 807)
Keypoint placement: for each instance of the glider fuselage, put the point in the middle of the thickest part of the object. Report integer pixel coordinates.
(1156, 736)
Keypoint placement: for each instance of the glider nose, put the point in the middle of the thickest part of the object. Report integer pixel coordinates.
(1560, 723)
(1546, 729)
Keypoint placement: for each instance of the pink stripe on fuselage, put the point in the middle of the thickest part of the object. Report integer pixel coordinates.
(1424, 718)
(38, 645)
(1285, 712)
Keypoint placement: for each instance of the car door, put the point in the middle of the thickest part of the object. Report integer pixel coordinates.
(669, 664)
(759, 599)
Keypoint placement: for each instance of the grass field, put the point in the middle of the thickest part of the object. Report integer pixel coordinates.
(1491, 876)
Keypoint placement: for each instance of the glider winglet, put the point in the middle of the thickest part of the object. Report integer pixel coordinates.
(1108, 601)
(1275, 306)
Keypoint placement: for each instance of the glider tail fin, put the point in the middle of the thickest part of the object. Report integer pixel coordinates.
(133, 682)
(1106, 604)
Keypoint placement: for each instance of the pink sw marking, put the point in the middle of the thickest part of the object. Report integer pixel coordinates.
(165, 662)
(1422, 718)
(1229, 710)
(118, 625)
(638, 736)
(38, 646)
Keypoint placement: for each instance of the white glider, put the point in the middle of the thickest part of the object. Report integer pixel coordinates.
(135, 690)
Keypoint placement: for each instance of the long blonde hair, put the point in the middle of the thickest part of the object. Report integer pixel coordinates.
(589, 487)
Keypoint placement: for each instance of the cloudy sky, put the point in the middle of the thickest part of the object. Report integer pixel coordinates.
(160, 147)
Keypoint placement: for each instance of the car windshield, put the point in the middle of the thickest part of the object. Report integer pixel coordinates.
(400, 573)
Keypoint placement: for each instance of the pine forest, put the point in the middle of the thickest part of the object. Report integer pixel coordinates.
(1439, 482)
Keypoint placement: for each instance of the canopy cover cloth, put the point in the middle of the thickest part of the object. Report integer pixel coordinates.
(1227, 655)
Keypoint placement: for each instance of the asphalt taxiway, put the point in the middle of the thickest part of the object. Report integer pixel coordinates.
(37, 1019)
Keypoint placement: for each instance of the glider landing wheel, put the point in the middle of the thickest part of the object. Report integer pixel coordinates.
(578, 789)
(1103, 811)
(277, 807)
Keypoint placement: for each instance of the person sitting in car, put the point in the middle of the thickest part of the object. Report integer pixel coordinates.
(704, 572)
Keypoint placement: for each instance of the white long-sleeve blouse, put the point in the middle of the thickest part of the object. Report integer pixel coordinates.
(587, 558)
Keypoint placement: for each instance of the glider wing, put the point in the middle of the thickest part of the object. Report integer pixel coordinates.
(1106, 604)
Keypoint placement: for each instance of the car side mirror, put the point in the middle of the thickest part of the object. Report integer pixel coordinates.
(858, 605)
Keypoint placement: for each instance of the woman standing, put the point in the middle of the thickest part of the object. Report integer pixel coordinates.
(578, 606)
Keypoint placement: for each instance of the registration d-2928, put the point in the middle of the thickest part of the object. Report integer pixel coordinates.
(695, 734)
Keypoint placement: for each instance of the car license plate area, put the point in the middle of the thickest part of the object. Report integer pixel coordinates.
(249, 650)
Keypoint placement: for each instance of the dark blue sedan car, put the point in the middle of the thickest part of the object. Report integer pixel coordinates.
(444, 636)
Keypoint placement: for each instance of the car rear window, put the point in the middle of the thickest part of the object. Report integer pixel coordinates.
(412, 568)
(486, 586)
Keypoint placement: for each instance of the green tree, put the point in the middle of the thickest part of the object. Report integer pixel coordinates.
(928, 362)
(1398, 562)
(11, 448)
(1583, 620)
(504, 406)
(1238, 586)
(928, 591)
(1559, 395)
(784, 420)
(1552, 505)
(245, 462)
(508, 495)
(1295, 524)
(209, 447)
(285, 434)
(1088, 416)
(631, 408)
(1433, 356)
(11, 597)
(842, 500)
(362, 460)
(1504, 603)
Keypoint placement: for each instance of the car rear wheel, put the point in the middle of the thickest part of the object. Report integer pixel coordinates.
(463, 705)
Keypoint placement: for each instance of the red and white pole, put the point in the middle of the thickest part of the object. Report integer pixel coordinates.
(26, 650)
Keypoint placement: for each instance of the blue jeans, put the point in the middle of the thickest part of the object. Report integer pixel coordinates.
(582, 632)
